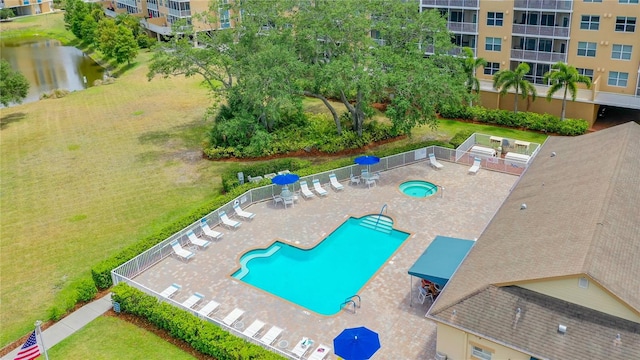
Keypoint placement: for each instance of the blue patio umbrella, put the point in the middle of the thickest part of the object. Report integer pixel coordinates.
(285, 179)
(356, 343)
(366, 160)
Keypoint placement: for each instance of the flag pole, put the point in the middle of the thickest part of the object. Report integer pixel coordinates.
(39, 332)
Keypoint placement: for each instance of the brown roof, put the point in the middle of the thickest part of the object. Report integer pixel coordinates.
(534, 328)
(582, 217)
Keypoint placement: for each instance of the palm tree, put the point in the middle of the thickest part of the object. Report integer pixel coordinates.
(564, 76)
(504, 80)
(470, 65)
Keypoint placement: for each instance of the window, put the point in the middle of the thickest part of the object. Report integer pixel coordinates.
(586, 48)
(495, 18)
(626, 24)
(618, 78)
(548, 20)
(628, 1)
(545, 45)
(224, 19)
(455, 16)
(480, 353)
(491, 68)
(493, 44)
(621, 52)
(586, 72)
(590, 22)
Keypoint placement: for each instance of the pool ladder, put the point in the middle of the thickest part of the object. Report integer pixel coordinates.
(351, 300)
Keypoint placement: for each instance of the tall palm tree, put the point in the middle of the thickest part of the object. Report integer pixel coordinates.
(504, 80)
(565, 76)
(470, 64)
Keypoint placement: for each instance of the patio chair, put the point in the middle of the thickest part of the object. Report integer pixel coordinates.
(424, 295)
(320, 353)
(233, 316)
(306, 193)
(254, 328)
(193, 300)
(208, 231)
(195, 240)
(318, 188)
(271, 335)
(434, 163)
(288, 201)
(243, 214)
(475, 167)
(277, 199)
(209, 308)
(170, 291)
(369, 182)
(231, 224)
(335, 183)
(302, 347)
(354, 180)
(181, 253)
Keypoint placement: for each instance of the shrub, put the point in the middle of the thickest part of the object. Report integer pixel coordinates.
(460, 137)
(203, 336)
(85, 289)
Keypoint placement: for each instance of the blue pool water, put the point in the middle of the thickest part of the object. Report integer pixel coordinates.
(322, 278)
(418, 188)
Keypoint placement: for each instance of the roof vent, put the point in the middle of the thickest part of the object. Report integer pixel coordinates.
(523, 206)
(583, 282)
(553, 154)
(618, 340)
(562, 329)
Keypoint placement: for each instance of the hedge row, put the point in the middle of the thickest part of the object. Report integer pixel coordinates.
(203, 336)
(524, 120)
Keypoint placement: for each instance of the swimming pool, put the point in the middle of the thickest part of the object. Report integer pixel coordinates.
(322, 278)
(418, 188)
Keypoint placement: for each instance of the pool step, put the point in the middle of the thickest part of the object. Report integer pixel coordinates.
(384, 224)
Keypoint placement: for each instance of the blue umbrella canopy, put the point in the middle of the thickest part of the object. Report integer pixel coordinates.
(356, 343)
(285, 179)
(366, 160)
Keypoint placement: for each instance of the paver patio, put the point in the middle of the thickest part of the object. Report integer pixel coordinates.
(462, 210)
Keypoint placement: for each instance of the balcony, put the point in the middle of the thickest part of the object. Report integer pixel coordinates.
(429, 49)
(546, 31)
(463, 27)
(180, 13)
(562, 5)
(472, 4)
(131, 3)
(538, 56)
(152, 6)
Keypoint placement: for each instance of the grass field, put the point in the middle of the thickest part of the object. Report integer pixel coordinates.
(86, 175)
(111, 338)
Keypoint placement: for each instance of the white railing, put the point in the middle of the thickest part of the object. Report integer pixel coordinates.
(462, 27)
(534, 55)
(543, 4)
(451, 3)
(552, 31)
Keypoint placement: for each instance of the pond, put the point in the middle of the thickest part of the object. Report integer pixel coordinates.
(48, 65)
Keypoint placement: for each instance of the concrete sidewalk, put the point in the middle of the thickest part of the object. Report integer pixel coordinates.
(70, 324)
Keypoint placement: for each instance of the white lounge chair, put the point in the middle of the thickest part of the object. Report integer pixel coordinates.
(193, 300)
(434, 163)
(208, 231)
(195, 240)
(320, 352)
(180, 252)
(243, 214)
(254, 328)
(255, 179)
(233, 316)
(302, 347)
(306, 193)
(475, 167)
(209, 308)
(231, 224)
(335, 184)
(170, 291)
(271, 335)
(318, 188)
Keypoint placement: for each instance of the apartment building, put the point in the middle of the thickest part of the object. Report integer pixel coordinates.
(599, 37)
(27, 7)
(158, 16)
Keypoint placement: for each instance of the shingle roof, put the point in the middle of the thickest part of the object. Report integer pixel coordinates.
(493, 313)
(582, 217)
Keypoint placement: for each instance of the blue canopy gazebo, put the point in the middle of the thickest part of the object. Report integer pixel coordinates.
(440, 260)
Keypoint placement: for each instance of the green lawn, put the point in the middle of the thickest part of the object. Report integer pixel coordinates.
(112, 338)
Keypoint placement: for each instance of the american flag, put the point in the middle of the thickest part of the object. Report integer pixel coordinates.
(30, 349)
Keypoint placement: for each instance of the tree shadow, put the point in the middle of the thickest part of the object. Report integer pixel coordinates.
(11, 118)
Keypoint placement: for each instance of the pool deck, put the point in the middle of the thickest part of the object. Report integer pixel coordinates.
(468, 204)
